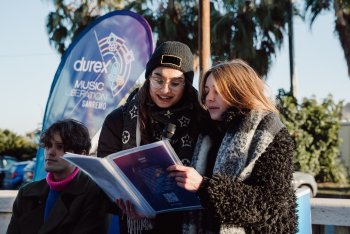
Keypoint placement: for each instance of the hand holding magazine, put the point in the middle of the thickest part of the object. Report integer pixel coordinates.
(139, 175)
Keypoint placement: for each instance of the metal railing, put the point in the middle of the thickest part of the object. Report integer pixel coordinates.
(328, 215)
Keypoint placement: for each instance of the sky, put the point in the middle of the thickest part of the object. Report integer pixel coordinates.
(28, 63)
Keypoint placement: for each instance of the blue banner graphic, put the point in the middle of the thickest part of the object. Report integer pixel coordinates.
(97, 72)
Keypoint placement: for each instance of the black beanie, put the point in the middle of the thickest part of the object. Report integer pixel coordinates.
(172, 54)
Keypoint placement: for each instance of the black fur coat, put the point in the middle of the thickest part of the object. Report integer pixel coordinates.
(264, 201)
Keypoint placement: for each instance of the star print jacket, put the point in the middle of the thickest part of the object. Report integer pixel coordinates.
(119, 133)
(120, 128)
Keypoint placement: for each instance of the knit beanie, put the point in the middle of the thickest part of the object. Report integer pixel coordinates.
(172, 54)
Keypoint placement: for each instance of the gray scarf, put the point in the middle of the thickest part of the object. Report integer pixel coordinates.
(237, 154)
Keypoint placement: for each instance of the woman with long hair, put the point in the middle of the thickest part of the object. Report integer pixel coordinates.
(242, 172)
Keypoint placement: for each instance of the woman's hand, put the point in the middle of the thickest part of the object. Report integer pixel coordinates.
(128, 208)
(185, 177)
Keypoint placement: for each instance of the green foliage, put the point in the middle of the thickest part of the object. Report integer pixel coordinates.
(250, 30)
(315, 130)
(69, 18)
(12, 144)
(341, 10)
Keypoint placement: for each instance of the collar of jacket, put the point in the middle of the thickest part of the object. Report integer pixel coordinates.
(72, 188)
(40, 190)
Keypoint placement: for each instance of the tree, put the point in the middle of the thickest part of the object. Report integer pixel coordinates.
(315, 129)
(15, 145)
(68, 19)
(342, 20)
(250, 30)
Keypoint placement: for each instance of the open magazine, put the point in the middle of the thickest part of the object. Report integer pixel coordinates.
(139, 175)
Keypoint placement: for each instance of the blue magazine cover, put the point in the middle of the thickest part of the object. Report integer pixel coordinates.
(139, 175)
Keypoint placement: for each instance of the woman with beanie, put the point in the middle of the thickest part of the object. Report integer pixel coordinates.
(247, 163)
(166, 106)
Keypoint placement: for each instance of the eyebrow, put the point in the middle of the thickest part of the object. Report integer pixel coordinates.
(176, 77)
(57, 142)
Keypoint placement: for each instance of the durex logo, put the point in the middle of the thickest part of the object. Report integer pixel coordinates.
(83, 65)
(115, 63)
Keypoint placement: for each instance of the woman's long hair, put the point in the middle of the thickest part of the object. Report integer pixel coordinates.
(239, 86)
(143, 108)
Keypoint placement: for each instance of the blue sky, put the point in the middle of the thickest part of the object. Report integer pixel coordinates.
(28, 63)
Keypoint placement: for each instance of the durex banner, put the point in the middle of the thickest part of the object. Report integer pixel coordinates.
(97, 72)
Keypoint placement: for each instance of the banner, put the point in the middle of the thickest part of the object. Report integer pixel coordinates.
(97, 71)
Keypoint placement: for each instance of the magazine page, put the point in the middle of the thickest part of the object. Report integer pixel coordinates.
(100, 172)
(145, 167)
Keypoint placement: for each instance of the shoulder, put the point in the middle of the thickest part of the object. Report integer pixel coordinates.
(85, 181)
(283, 137)
(281, 150)
(87, 188)
(271, 122)
(115, 114)
(81, 185)
(33, 189)
(113, 119)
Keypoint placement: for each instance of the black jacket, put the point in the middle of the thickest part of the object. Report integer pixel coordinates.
(79, 209)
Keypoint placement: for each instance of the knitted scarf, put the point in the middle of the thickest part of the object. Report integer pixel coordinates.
(240, 148)
(60, 185)
(181, 115)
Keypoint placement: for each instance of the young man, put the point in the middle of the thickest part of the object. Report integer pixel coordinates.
(67, 201)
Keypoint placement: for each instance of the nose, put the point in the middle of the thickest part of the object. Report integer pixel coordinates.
(210, 96)
(165, 88)
(50, 151)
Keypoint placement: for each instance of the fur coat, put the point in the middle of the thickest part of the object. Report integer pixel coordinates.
(250, 190)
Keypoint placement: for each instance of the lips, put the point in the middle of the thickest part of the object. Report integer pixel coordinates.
(50, 160)
(213, 108)
(164, 98)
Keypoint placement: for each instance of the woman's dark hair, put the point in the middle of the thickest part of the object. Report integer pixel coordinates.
(75, 136)
(143, 107)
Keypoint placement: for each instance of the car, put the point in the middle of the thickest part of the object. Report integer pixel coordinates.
(302, 179)
(5, 164)
(28, 172)
(14, 176)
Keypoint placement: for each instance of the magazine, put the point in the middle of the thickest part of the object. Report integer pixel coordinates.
(139, 175)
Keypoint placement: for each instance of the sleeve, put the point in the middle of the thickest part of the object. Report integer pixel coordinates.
(14, 222)
(266, 194)
(110, 140)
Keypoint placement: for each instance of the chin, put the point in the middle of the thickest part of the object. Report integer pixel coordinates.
(164, 104)
(213, 117)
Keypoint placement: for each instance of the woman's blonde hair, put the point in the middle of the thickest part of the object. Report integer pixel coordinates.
(238, 85)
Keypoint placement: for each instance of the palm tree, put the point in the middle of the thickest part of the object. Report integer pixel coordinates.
(342, 20)
(68, 19)
(250, 30)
